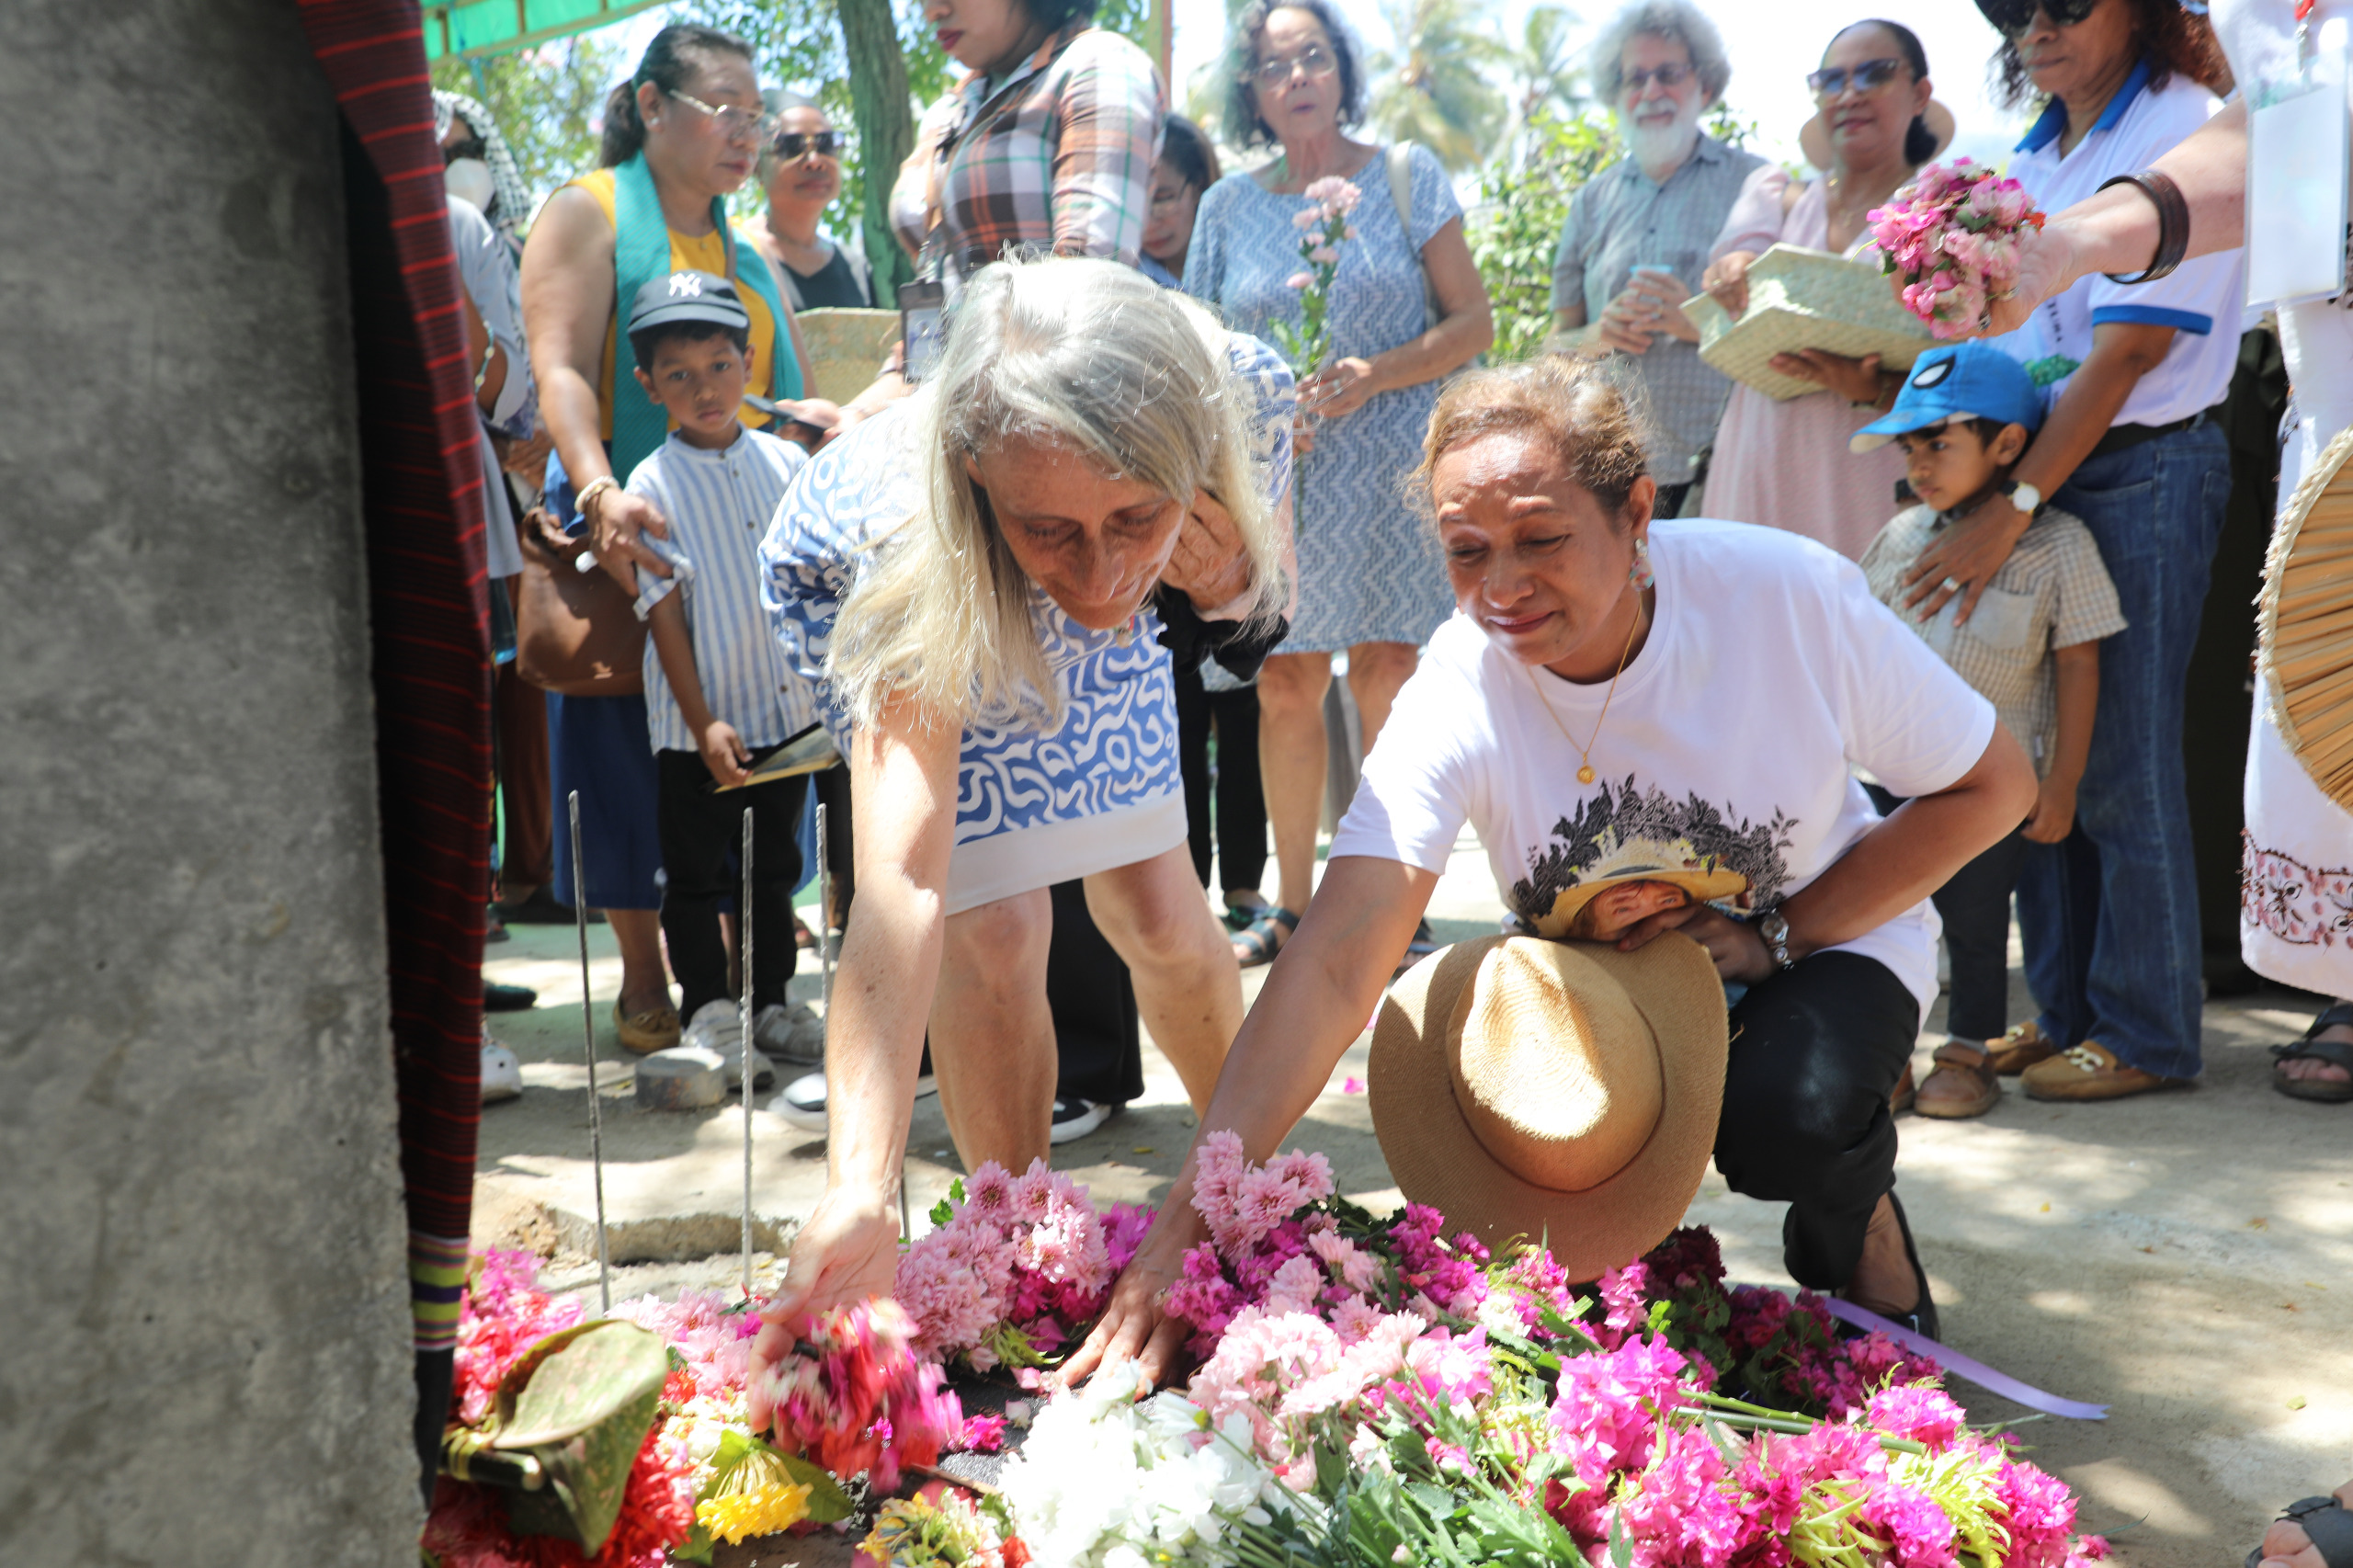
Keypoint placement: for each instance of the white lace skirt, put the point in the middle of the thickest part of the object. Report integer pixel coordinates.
(2296, 895)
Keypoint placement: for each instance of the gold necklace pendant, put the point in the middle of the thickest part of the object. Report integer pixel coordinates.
(1586, 774)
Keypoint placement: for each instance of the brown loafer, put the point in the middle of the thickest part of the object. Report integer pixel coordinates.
(1962, 1085)
(2020, 1048)
(2090, 1072)
(643, 1034)
(1904, 1094)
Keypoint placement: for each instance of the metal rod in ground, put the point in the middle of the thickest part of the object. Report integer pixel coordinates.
(588, 1036)
(743, 1019)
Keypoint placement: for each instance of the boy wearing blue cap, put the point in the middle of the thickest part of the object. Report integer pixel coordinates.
(1964, 417)
(719, 692)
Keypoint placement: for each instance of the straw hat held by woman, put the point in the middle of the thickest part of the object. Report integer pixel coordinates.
(1607, 680)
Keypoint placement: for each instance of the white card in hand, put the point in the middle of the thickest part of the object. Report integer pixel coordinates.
(2298, 172)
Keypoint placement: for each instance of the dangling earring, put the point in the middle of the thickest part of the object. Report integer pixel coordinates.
(1639, 574)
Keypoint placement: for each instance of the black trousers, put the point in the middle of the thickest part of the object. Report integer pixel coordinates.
(1815, 1051)
(702, 833)
(1976, 908)
(1098, 1041)
(1240, 831)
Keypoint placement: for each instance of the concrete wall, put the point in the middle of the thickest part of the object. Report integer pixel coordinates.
(204, 1351)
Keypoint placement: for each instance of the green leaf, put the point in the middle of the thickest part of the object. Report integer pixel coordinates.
(828, 1504)
(1621, 1545)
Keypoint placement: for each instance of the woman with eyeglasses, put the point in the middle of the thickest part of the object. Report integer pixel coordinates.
(1785, 464)
(680, 134)
(800, 172)
(1407, 308)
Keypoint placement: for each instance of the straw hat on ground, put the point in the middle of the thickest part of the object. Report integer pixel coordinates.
(2305, 620)
(1564, 1092)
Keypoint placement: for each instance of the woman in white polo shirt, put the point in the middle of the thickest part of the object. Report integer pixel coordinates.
(2110, 915)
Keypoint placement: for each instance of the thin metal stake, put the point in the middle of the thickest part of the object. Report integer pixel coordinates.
(588, 1032)
(744, 1018)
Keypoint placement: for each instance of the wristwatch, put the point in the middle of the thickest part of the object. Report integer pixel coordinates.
(1776, 932)
(2025, 497)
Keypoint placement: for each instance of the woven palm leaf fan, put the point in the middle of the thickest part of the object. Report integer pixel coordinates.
(2305, 621)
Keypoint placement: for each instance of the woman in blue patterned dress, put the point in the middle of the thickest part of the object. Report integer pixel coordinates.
(1369, 576)
(970, 577)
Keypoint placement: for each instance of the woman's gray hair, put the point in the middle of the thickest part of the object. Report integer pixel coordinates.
(1677, 21)
(1084, 353)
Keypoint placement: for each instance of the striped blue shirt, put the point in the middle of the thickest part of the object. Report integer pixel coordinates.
(718, 504)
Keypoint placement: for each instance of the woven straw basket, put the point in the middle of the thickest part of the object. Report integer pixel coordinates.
(2305, 621)
(1806, 299)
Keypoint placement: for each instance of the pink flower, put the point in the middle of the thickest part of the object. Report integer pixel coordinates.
(1322, 255)
(1352, 1085)
(1921, 1412)
(1299, 281)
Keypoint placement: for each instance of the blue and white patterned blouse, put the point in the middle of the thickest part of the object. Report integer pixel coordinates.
(1368, 569)
(1033, 807)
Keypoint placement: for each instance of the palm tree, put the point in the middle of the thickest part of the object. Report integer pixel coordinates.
(1542, 69)
(1433, 89)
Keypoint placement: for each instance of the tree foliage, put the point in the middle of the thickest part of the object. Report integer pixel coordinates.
(549, 102)
(1515, 227)
(1433, 87)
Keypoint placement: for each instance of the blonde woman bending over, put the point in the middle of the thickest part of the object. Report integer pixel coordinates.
(979, 580)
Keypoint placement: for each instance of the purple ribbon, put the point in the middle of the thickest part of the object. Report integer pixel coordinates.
(1953, 1361)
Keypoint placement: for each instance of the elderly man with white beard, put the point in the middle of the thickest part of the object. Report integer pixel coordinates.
(1637, 237)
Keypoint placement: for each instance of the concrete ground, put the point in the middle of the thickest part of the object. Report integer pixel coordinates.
(2185, 1258)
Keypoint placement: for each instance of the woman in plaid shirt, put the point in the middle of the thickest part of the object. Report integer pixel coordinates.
(1049, 142)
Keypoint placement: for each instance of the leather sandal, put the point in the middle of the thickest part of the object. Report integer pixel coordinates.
(1258, 943)
(2309, 1048)
(2326, 1523)
(1962, 1085)
(643, 1034)
(2020, 1048)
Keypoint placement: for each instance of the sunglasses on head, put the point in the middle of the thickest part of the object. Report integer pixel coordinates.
(2012, 17)
(1833, 80)
(791, 145)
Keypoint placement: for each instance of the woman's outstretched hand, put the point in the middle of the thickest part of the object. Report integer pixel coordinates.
(848, 1251)
(1136, 1325)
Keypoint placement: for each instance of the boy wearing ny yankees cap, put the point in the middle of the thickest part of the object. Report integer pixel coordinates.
(719, 692)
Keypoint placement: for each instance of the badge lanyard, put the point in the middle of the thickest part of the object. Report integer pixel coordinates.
(2299, 164)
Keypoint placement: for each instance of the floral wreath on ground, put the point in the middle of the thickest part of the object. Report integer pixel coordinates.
(1369, 1391)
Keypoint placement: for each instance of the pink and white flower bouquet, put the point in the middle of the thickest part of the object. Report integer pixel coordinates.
(1952, 234)
(1324, 228)
(1016, 1265)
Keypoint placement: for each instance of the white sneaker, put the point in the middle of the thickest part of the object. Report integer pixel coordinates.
(803, 1101)
(502, 1075)
(794, 1035)
(1075, 1119)
(719, 1029)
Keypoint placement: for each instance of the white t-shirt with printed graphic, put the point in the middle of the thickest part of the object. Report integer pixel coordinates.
(1769, 674)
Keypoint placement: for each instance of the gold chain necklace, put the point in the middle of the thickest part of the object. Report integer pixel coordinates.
(1584, 751)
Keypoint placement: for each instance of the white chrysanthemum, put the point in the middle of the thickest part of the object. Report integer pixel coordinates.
(1105, 1481)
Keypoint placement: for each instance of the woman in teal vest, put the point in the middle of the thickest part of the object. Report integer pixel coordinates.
(679, 135)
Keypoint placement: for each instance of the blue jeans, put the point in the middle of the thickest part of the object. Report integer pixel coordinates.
(2108, 916)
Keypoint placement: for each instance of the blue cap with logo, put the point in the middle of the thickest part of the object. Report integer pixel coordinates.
(1964, 382)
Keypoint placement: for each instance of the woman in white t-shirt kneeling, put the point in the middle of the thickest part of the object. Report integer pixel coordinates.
(1618, 700)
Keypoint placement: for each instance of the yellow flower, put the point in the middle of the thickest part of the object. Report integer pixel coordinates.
(733, 1517)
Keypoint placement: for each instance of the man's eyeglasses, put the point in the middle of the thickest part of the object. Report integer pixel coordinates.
(1674, 73)
(1831, 81)
(2015, 18)
(735, 124)
(792, 144)
(1274, 71)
